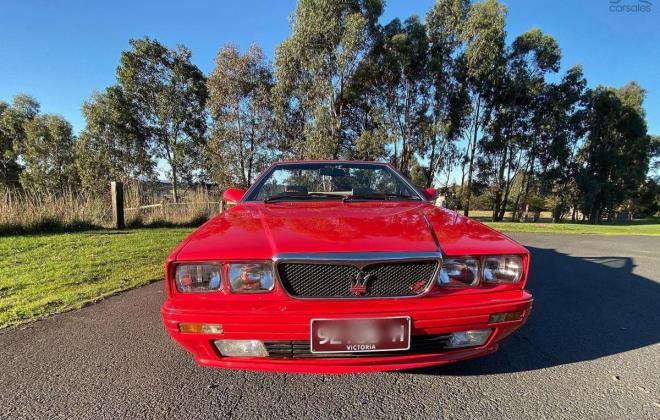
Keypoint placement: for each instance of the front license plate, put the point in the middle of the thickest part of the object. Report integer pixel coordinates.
(360, 335)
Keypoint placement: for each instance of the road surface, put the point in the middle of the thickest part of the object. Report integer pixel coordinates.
(590, 350)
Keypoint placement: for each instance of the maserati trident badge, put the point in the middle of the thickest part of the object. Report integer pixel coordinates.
(359, 283)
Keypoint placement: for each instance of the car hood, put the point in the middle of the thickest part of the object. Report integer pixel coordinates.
(258, 231)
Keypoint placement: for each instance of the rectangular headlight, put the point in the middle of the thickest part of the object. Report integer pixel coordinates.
(503, 269)
(250, 277)
(459, 272)
(191, 278)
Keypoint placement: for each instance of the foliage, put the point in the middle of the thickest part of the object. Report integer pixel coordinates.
(47, 154)
(167, 94)
(615, 157)
(484, 34)
(240, 105)
(13, 120)
(113, 146)
(316, 65)
(399, 66)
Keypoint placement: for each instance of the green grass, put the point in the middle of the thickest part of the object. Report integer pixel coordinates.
(634, 228)
(45, 274)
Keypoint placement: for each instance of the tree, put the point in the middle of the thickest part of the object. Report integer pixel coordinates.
(112, 147)
(13, 119)
(315, 67)
(484, 35)
(449, 101)
(400, 73)
(510, 134)
(240, 105)
(615, 157)
(48, 154)
(167, 94)
(559, 127)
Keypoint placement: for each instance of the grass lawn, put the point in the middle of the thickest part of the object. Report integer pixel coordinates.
(633, 228)
(44, 274)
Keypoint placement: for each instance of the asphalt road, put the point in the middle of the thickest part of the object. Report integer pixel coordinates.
(590, 350)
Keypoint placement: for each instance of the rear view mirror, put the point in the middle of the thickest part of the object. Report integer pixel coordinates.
(330, 171)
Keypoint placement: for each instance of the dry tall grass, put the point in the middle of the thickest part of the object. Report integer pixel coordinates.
(27, 211)
(24, 212)
(147, 208)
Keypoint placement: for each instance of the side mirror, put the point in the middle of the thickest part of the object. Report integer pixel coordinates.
(233, 195)
(430, 194)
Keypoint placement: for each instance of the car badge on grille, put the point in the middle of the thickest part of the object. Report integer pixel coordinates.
(359, 283)
(418, 286)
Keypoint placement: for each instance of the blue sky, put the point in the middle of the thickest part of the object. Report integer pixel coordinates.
(60, 52)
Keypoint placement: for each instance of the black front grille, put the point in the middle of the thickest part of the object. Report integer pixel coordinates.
(423, 344)
(395, 279)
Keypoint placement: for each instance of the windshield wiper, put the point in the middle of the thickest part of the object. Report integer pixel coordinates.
(380, 196)
(299, 196)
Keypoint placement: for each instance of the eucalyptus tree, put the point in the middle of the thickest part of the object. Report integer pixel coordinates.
(401, 76)
(558, 126)
(13, 120)
(316, 64)
(167, 93)
(511, 137)
(484, 35)
(241, 142)
(113, 145)
(448, 95)
(47, 155)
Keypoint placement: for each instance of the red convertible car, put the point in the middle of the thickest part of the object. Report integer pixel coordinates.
(342, 266)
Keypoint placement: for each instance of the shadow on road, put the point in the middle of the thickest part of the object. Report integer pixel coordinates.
(584, 308)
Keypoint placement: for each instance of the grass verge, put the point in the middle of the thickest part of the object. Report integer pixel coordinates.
(45, 274)
(576, 228)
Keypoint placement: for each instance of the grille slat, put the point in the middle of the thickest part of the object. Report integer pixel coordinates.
(385, 279)
(301, 348)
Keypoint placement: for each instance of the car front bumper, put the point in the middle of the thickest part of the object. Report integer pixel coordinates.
(290, 320)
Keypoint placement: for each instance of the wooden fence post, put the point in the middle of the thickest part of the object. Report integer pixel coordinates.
(117, 193)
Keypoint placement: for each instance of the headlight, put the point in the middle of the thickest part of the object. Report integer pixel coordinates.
(459, 272)
(253, 277)
(192, 278)
(503, 269)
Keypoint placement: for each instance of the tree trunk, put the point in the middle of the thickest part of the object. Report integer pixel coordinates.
(431, 171)
(500, 181)
(175, 186)
(466, 210)
(515, 214)
(507, 191)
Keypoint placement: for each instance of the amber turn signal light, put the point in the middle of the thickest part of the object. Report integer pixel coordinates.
(195, 327)
(505, 316)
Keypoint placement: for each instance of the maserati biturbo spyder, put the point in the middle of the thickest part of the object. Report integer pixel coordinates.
(342, 266)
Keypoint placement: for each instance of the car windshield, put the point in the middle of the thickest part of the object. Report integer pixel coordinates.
(323, 181)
